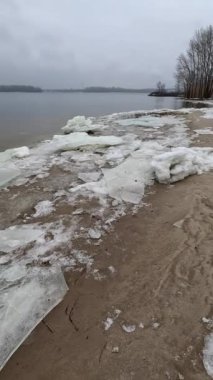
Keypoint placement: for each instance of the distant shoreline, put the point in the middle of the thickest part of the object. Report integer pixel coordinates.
(32, 89)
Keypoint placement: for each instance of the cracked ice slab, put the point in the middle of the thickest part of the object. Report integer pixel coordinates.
(80, 124)
(17, 236)
(27, 295)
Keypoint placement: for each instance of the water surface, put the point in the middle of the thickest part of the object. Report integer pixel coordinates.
(26, 118)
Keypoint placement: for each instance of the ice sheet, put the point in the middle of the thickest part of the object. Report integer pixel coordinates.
(23, 306)
(17, 236)
(151, 121)
(208, 355)
(8, 169)
(77, 140)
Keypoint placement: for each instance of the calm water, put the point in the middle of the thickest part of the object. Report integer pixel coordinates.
(28, 118)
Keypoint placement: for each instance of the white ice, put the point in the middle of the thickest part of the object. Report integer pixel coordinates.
(78, 140)
(205, 131)
(18, 236)
(208, 355)
(128, 328)
(8, 168)
(151, 121)
(80, 124)
(180, 163)
(43, 208)
(23, 306)
(207, 113)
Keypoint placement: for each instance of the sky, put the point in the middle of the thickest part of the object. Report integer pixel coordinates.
(80, 43)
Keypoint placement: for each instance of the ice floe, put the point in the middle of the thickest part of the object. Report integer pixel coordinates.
(208, 355)
(80, 124)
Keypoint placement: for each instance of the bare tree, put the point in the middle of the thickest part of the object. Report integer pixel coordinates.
(194, 72)
(161, 88)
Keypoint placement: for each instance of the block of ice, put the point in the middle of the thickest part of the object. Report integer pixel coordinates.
(180, 163)
(17, 236)
(79, 124)
(43, 208)
(26, 297)
(77, 140)
(208, 355)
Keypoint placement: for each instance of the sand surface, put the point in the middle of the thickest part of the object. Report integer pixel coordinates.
(155, 266)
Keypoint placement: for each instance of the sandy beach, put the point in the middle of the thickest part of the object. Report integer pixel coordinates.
(139, 299)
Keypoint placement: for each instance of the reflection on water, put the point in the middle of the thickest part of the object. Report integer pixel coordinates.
(28, 118)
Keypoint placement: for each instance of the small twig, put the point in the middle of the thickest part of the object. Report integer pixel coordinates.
(102, 351)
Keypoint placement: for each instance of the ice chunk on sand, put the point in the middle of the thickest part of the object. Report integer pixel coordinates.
(151, 121)
(43, 208)
(8, 169)
(94, 233)
(79, 124)
(180, 163)
(17, 236)
(128, 328)
(89, 176)
(108, 323)
(81, 139)
(208, 113)
(208, 355)
(205, 131)
(126, 182)
(21, 152)
(25, 303)
(8, 172)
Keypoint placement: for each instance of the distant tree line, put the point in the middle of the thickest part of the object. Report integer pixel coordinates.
(194, 73)
(100, 89)
(19, 88)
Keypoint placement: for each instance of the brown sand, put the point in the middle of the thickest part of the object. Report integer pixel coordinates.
(163, 278)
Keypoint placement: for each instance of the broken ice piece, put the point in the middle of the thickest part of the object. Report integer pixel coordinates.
(141, 325)
(94, 233)
(156, 325)
(108, 323)
(179, 223)
(128, 328)
(79, 211)
(111, 269)
(115, 350)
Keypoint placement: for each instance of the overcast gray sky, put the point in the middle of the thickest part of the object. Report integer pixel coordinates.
(77, 43)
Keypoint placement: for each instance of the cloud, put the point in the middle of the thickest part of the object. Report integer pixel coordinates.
(70, 43)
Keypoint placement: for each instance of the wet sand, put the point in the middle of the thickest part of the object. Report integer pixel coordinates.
(159, 275)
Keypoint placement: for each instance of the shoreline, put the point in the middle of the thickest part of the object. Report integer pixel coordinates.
(145, 266)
